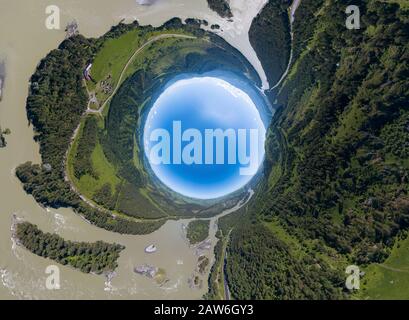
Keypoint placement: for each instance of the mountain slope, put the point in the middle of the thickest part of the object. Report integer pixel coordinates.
(336, 177)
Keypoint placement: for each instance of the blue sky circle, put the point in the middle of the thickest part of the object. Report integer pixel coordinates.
(204, 103)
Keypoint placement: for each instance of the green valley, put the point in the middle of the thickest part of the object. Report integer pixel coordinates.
(335, 191)
(89, 129)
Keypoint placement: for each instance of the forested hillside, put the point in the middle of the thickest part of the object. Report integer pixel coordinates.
(336, 187)
(270, 37)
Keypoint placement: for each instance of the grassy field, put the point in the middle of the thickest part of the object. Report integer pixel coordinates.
(197, 231)
(114, 54)
(155, 52)
(389, 280)
(110, 62)
(112, 58)
(105, 170)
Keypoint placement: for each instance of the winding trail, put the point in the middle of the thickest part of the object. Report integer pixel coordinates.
(149, 42)
(391, 268)
(239, 205)
(101, 109)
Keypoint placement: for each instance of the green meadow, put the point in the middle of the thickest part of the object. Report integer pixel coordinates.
(389, 280)
(117, 52)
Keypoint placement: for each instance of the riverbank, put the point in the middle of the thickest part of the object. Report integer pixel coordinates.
(22, 273)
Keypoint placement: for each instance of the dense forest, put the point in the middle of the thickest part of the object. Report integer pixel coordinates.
(86, 144)
(266, 269)
(58, 98)
(52, 191)
(95, 257)
(214, 281)
(222, 7)
(270, 37)
(336, 175)
(197, 231)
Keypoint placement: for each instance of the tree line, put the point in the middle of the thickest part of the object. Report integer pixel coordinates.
(95, 257)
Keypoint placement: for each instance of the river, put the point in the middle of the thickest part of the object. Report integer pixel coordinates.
(24, 41)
